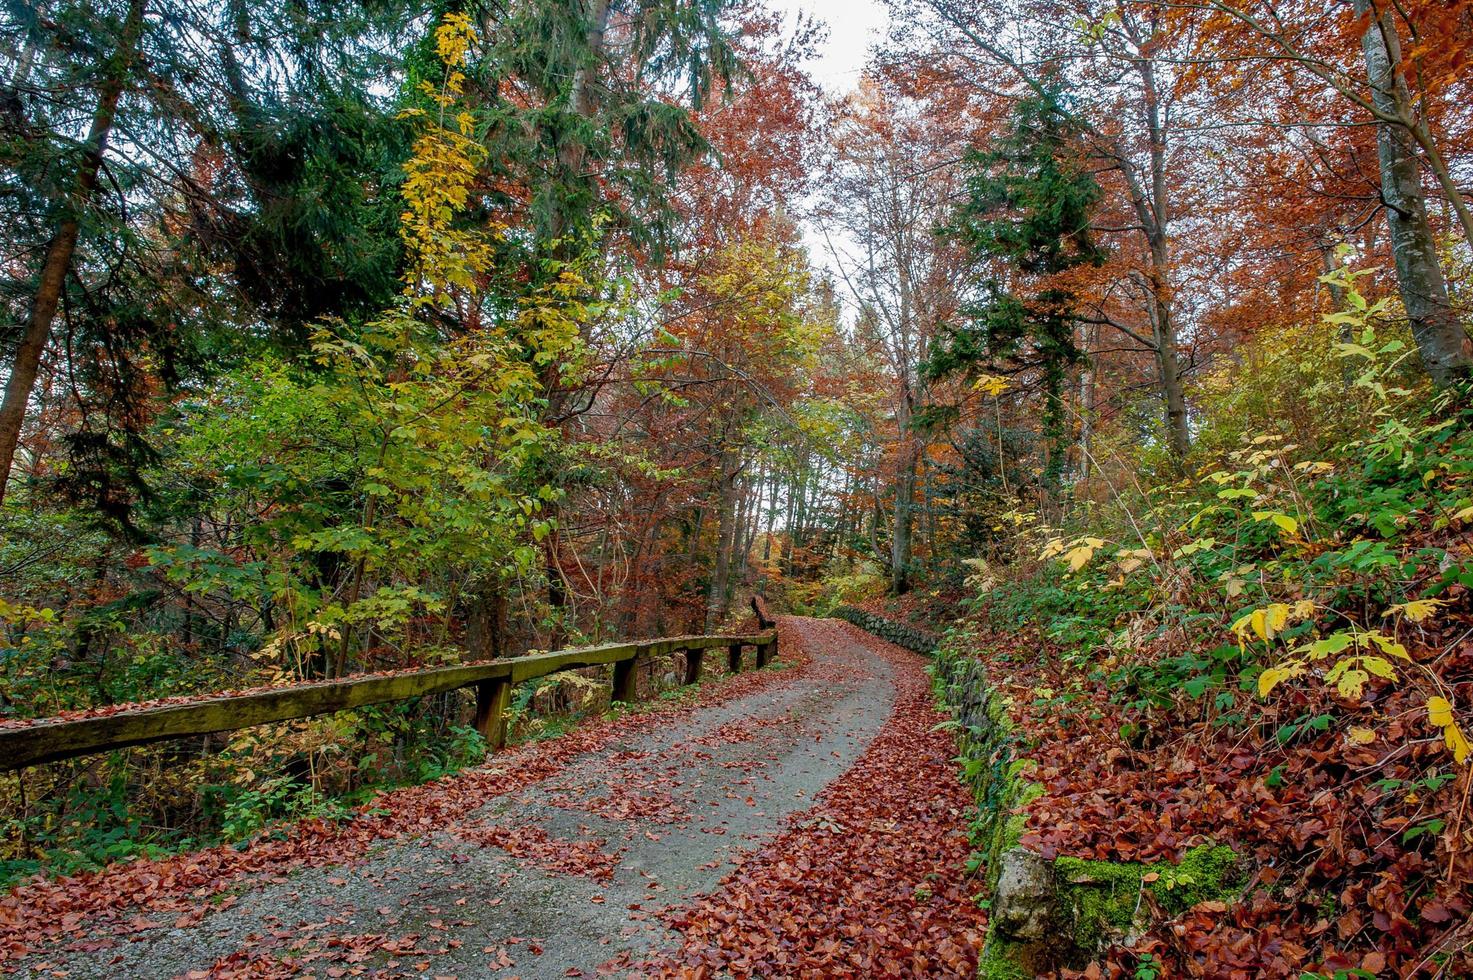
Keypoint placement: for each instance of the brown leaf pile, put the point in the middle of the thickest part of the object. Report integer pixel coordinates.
(1335, 884)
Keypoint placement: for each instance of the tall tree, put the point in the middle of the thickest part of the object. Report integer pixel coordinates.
(1027, 220)
(894, 176)
(232, 215)
(1356, 57)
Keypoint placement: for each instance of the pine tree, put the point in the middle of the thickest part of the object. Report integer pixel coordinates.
(1026, 220)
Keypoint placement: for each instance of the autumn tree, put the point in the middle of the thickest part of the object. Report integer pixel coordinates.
(1123, 63)
(893, 180)
(1359, 55)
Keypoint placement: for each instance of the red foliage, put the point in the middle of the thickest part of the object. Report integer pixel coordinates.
(1334, 882)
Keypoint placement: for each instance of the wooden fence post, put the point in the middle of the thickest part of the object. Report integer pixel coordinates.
(626, 680)
(492, 699)
(693, 660)
(734, 658)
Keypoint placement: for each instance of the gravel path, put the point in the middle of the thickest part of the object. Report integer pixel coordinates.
(552, 881)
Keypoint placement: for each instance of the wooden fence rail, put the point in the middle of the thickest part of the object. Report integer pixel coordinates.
(50, 740)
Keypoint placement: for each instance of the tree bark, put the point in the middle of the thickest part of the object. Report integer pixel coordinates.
(1441, 340)
(1177, 434)
(62, 248)
(904, 512)
(726, 534)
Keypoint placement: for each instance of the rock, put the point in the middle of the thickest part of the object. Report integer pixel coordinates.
(1026, 896)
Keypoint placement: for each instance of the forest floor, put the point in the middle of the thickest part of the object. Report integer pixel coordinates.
(804, 822)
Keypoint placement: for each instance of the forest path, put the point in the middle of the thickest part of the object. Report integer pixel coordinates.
(654, 842)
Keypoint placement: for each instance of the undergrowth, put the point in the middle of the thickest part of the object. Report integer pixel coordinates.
(1291, 604)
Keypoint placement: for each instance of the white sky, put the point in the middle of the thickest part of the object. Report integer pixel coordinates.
(853, 25)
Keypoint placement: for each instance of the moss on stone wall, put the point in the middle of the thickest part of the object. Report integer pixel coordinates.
(1094, 903)
(901, 634)
(1102, 900)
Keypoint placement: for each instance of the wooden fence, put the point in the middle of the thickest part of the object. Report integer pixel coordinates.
(49, 740)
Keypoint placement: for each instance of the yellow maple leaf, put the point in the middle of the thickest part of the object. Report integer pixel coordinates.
(1352, 683)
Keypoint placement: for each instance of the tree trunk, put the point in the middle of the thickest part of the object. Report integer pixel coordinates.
(572, 152)
(1087, 403)
(726, 534)
(1169, 368)
(1441, 339)
(900, 534)
(63, 246)
(771, 516)
(485, 623)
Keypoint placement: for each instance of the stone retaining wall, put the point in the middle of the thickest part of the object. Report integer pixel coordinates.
(1044, 914)
(901, 634)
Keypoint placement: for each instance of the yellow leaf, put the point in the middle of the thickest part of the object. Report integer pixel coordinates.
(1418, 610)
(1274, 676)
(991, 384)
(1283, 522)
(1380, 667)
(1389, 645)
(1352, 683)
(1275, 619)
(1439, 712)
(1360, 736)
(1457, 742)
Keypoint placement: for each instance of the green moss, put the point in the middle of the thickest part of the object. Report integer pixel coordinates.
(1002, 960)
(1102, 898)
(1206, 874)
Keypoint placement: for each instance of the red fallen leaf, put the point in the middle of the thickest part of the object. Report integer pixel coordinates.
(1434, 912)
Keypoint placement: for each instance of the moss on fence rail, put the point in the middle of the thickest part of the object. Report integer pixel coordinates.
(50, 740)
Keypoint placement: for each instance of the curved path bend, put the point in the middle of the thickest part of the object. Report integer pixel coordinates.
(804, 823)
